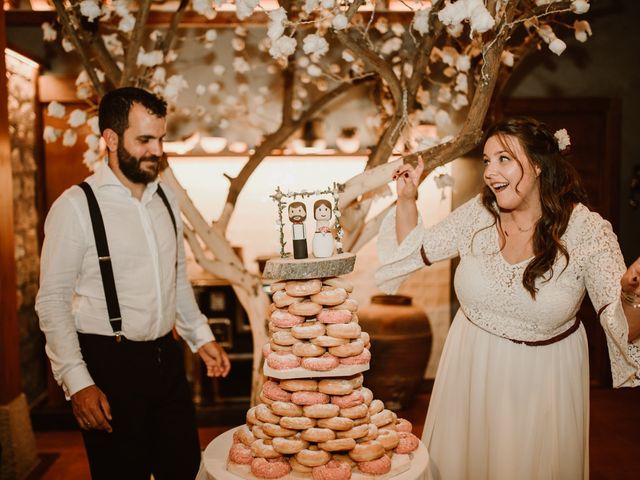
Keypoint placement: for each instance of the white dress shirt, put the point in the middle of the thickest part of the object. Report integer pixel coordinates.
(142, 244)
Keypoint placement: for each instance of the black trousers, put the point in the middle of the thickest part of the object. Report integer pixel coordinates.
(154, 427)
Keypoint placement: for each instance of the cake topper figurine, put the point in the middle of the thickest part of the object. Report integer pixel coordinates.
(297, 216)
(322, 244)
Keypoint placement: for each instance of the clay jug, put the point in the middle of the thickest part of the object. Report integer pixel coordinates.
(400, 348)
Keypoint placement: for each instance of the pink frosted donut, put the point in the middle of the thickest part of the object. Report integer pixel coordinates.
(271, 468)
(303, 288)
(240, 454)
(330, 296)
(283, 338)
(283, 360)
(362, 359)
(284, 319)
(266, 350)
(408, 443)
(376, 467)
(320, 364)
(347, 401)
(281, 299)
(273, 391)
(334, 316)
(334, 470)
(309, 398)
(404, 425)
(244, 435)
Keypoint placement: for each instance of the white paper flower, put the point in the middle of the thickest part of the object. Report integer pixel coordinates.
(213, 88)
(77, 117)
(50, 134)
(455, 31)
(463, 63)
(460, 101)
(219, 70)
(170, 56)
(546, 33)
(563, 139)
(113, 44)
(240, 65)
(582, 30)
(347, 55)
(328, 4)
(90, 157)
(90, 9)
(238, 44)
(310, 5)
(94, 123)
(283, 47)
(55, 110)
(159, 75)
(453, 13)
(423, 97)
(244, 8)
(93, 141)
(449, 56)
(200, 90)
(204, 7)
(339, 22)
(211, 35)
(127, 23)
(444, 94)
(49, 33)
(557, 46)
(277, 20)
(149, 59)
(392, 45)
(480, 18)
(580, 6)
(315, 44)
(507, 58)
(155, 35)
(397, 29)
(121, 7)
(443, 120)
(462, 83)
(314, 70)
(67, 45)
(175, 84)
(421, 21)
(69, 138)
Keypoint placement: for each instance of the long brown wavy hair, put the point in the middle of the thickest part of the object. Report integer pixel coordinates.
(560, 190)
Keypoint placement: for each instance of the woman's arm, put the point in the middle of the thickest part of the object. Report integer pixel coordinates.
(630, 283)
(407, 181)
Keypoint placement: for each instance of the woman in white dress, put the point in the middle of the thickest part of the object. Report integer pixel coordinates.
(511, 395)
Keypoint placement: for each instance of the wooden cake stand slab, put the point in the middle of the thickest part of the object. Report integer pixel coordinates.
(303, 269)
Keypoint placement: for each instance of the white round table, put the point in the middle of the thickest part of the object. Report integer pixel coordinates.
(214, 462)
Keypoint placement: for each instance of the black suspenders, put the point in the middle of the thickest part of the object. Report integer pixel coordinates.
(104, 258)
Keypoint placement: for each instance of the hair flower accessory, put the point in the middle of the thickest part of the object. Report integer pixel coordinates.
(562, 138)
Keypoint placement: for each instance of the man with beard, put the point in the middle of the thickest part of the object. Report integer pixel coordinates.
(297, 216)
(113, 285)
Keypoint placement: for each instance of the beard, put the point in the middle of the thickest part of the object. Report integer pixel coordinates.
(130, 166)
(297, 218)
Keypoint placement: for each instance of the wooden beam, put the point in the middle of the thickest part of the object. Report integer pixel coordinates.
(10, 384)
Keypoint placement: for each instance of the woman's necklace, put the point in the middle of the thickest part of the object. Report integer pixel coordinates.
(520, 229)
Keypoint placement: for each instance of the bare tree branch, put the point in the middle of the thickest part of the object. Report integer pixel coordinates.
(136, 42)
(165, 43)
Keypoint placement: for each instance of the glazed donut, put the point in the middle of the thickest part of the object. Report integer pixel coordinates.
(367, 394)
(289, 446)
(283, 338)
(266, 350)
(319, 364)
(296, 466)
(408, 442)
(284, 319)
(307, 349)
(244, 435)
(379, 466)
(361, 421)
(261, 449)
(363, 359)
(355, 432)
(303, 288)
(277, 430)
(344, 330)
(297, 423)
(338, 445)
(376, 406)
(339, 424)
(257, 432)
(330, 296)
(313, 458)
(333, 470)
(350, 304)
(251, 417)
(343, 457)
(264, 414)
(308, 330)
(277, 286)
(240, 454)
(339, 283)
(366, 339)
(272, 468)
(335, 386)
(404, 425)
(327, 341)
(357, 411)
(318, 435)
(309, 398)
(388, 438)
(272, 308)
(334, 316)
(273, 391)
(305, 308)
(326, 410)
(372, 434)
(298, 384)
(286, 409)
(283, 361)
(273, 328)
(355, 318)
(281, 299)
(385, 417)
(264, 399)
(348, 401)
(357, 380)
(367, 451)
(351, 349)
(280, 348)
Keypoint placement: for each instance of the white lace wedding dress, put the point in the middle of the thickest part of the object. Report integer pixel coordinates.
(502, 410)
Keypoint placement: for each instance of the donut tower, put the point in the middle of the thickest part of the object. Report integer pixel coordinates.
(316, 419)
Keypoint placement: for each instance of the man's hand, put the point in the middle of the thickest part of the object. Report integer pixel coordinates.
(215, 358)
(91, 409)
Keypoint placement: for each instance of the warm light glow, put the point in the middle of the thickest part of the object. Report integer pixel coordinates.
(21, 58)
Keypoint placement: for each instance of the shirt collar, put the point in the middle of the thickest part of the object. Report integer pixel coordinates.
(104, 177)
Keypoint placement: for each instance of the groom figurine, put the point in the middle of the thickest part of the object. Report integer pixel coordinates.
(297, 216)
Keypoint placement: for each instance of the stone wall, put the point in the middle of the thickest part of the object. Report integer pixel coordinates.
(22, 84)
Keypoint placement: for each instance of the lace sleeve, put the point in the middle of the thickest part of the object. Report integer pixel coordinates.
(604, 268)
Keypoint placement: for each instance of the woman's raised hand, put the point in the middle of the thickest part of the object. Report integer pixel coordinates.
(407, 180)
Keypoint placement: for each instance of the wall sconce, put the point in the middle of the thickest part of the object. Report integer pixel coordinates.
(213, 144)
(180, 147)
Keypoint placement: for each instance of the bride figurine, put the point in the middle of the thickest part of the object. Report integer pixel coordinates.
(322, 244)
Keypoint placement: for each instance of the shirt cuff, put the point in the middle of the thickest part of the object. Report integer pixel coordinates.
(75, 380)
(201, 335)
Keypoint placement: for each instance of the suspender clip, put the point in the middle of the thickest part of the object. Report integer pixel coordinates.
(118, 336)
